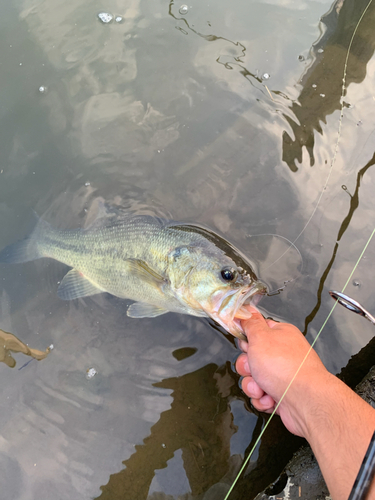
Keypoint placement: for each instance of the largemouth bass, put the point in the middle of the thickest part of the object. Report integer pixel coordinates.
(161, 264)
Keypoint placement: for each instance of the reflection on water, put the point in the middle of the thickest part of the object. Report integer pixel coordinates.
(354, 204)
(199, 423)
(322, 82)
(9, 344)
(168, 115)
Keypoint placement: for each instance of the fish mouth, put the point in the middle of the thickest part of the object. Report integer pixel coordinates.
(251, 296)
(231, 309)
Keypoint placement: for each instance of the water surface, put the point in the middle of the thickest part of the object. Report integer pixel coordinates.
(228, 116)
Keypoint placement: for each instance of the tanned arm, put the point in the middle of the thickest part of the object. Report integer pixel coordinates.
(336, 422)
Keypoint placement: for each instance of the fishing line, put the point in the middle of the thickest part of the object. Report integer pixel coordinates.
(333, 160)
(262, 270)
(298, 370)
(246, 461)
(291, 244)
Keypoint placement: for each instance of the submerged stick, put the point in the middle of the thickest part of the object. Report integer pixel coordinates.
(9, 343)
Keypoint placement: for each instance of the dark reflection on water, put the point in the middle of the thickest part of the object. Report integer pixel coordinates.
(184, 124)
(199, 423)
(322, 82)
(183, 353)
(354, 203)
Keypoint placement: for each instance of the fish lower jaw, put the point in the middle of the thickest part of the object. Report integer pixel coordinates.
(239, 330)
(242, 313)
(233, 326)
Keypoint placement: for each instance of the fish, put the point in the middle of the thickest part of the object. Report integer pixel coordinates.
(162, 265)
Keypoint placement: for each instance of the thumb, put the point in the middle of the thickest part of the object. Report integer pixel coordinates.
(255, 324)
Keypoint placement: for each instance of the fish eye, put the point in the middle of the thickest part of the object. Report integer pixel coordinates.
(228, 274)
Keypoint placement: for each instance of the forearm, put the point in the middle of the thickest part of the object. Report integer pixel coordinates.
(317, 405)
(339, 429)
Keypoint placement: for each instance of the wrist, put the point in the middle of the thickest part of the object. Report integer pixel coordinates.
(311, 403)
(328, 412)
(320, 414)
(338, 425)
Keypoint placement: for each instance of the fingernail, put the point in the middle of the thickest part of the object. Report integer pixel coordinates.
(246, 367)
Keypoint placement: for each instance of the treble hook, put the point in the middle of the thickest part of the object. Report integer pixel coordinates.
(279, 290)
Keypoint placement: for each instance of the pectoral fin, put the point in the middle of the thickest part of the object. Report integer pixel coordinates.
(143, 310)
(140, 269)
(75, 285)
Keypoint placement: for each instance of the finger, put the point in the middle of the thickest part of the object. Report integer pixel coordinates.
(251, 388)
(243, 345)
(271, 323)
(254, 325)
(265, 403)
(255, 403)
(242, 365)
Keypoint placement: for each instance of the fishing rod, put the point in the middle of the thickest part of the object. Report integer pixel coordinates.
(365, 475)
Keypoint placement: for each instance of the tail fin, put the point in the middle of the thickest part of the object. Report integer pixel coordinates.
(26, 249)
(22, 251)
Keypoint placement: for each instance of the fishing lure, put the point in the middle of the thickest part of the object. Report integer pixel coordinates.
(352, 305)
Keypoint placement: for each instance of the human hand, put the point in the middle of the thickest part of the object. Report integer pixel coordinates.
(271, 358)
(336, 422)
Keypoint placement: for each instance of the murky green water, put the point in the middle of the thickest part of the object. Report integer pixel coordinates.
(228, 116)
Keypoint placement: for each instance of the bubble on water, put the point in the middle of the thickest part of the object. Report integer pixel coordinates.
(183, 9)
(119, 19)
(90, 373)
(322, 95)
(265, 76)
(314, 85)
(164, 445)
(87, 184)
(105, 17)
(42, 89)
(320, 51)
(356, 283)
(301, 58)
